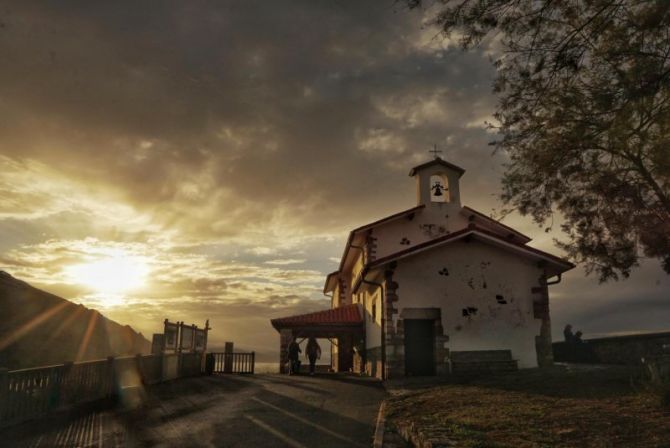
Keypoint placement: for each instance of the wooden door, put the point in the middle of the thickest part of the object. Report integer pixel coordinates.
(419, 347)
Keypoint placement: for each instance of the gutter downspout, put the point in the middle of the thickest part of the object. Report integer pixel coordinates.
(555, 282)
(383, 311)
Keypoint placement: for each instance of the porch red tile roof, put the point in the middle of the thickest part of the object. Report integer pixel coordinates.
(347, 315)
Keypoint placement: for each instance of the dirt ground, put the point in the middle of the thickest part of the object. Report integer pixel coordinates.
(565, 406)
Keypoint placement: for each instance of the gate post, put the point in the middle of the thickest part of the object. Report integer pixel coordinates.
(285, 338)
(112, 389)
(4, 392)
(228, 358)
(209, 363)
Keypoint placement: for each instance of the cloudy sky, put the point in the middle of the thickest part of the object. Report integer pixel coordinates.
(214, 156)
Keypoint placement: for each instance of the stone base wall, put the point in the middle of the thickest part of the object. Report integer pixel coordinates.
(359, 362)
(393, 337)
(285, 338)
(373, 362)
(442, 363)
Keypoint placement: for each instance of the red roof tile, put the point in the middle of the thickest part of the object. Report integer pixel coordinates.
(347, 315)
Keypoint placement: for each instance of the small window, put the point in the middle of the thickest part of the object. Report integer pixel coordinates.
(439, 188)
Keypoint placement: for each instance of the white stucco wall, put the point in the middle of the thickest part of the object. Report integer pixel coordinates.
(477, 273)
(435, 220)
(368, 297)
(373, 329)
(336, 296)
(356, 268)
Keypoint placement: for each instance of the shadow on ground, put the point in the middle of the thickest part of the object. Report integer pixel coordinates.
(569, 381)
(222, 411)
(560, 380)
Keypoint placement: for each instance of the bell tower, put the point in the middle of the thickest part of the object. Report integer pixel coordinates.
(437, 183)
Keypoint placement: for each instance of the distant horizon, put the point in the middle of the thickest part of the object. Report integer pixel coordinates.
(267, 360)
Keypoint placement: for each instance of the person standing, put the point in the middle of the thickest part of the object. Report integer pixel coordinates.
(294, 357)
(313, 353)
(567, 334)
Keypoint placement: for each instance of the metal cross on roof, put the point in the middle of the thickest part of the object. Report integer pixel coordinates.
(435, 152)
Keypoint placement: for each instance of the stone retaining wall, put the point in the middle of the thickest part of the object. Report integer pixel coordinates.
(631, 349)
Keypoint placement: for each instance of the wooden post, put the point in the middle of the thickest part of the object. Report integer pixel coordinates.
(165, 327)
(207, 328)
(180, 326)
(204, 360)
(111, 379)
(65, 384)
(285, 338)
(228, 358)
(4, 393)
(253, 362)
(140, 368)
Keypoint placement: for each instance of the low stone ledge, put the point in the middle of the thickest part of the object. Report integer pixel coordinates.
(429, 436)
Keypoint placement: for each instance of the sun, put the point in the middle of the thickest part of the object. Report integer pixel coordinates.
(110, 277)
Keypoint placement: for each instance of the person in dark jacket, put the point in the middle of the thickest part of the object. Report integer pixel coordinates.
(568, 335)
(313, 353)
(294, 357)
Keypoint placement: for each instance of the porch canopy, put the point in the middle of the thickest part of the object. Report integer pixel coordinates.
(343, 326)
(331, 323)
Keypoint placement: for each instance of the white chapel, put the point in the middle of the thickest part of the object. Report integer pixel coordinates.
(436, 289)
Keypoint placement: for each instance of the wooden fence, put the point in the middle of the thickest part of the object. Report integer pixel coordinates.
(30, 393)
(232, 362)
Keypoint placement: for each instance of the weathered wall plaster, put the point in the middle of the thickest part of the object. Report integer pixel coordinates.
(472, 316)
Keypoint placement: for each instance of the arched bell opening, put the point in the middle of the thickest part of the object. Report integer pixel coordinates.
(439, 188)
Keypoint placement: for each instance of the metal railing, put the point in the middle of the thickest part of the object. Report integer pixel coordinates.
(29, 393)
(232, 362)
(34, 392)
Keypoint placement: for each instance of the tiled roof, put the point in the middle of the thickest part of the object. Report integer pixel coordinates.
(437, 161)
(347, 315)
(471, 211)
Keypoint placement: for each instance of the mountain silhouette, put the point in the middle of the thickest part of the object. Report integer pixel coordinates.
(39, 329)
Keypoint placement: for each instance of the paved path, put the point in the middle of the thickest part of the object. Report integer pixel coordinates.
(225, 411)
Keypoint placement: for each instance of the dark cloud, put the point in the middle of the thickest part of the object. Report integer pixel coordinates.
(174, 104)
(240, 132)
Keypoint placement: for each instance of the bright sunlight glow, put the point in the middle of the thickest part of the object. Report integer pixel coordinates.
(110, 277)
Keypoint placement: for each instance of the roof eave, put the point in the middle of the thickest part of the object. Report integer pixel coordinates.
(327, 287)
(372, 225)
(437, 161)
(560, 264)
(469, 210)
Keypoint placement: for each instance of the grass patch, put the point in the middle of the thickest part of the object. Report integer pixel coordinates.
(556, 407)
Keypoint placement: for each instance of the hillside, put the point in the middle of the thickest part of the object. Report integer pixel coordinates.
(38, 328)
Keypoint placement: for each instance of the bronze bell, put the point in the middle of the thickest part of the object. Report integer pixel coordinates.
(437, 188)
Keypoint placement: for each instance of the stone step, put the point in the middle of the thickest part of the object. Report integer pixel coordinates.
(481, 355)
(480, 367)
